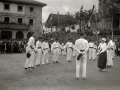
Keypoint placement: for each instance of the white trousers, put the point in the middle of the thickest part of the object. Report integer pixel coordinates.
(60, 51)
(109, 57)
(56, 54)
(82, 62)
(64, 52)
(74, 53)
(38, 56)
(45, 56)
(32, 59)
(27, 62)
(91, 53)
(113, 53)
(94, 54)
(69, 54)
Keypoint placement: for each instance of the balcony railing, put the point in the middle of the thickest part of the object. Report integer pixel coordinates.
(14, 26)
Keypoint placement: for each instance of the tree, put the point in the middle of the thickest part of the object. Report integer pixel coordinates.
(89, 32)
(70, 20)
(104, 32)
(85, 15)
(111, 10)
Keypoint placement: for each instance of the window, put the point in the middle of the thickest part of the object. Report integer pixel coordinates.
(20, 20)
(20, 8)
(6, 6)
(31, 9)
(30, 21)
(6, 19)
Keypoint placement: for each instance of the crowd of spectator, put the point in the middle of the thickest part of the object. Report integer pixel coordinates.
(12, 46)
(18, 46)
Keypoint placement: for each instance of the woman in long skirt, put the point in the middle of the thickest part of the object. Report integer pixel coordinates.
(102, 59)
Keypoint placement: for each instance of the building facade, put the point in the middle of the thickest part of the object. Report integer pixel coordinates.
(19, 17)
(56, 22)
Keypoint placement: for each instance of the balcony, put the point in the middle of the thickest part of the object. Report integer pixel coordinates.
(13, 26)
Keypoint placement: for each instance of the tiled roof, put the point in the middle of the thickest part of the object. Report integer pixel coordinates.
(31, 2)
(62, 18)
(55, 17)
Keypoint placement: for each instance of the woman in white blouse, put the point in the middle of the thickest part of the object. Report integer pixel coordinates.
(102, 59)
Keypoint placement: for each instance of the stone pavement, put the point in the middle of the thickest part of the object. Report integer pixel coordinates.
(55, 76)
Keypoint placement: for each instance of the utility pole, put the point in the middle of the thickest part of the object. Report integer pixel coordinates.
(80, 21)
(96, 27)
(58, 20)
(119, 24)
(80, 18)
(112, 28)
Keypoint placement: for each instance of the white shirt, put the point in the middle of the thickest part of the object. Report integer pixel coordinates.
(114, 45)
(110, 44)
(55, 45)
(91, 44)
(27, 49)
(45, 45)
(69, 44)
(82, 44)
(102, 47)
(38, 44)
(95, 46)
(31, 42)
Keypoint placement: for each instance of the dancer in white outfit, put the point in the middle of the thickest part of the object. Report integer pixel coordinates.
(55, 48)
(27, 57)
(74, 51)
(31, 47)
(91, 50)
(39, 51)
(114, 48)
(95, 51)
(82, 45)
(45, 49)
(64, 50)
(69, 47)
(110, 48)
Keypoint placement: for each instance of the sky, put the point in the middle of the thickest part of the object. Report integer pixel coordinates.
(65, 6)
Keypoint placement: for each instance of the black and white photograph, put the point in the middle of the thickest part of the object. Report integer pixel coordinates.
(59, 44)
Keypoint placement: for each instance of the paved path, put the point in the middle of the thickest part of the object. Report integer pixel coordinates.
(55, 76)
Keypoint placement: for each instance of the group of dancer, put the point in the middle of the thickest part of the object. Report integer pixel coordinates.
(41, 49)
(38, 53)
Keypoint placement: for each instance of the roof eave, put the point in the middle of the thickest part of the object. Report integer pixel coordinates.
(27, 3)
